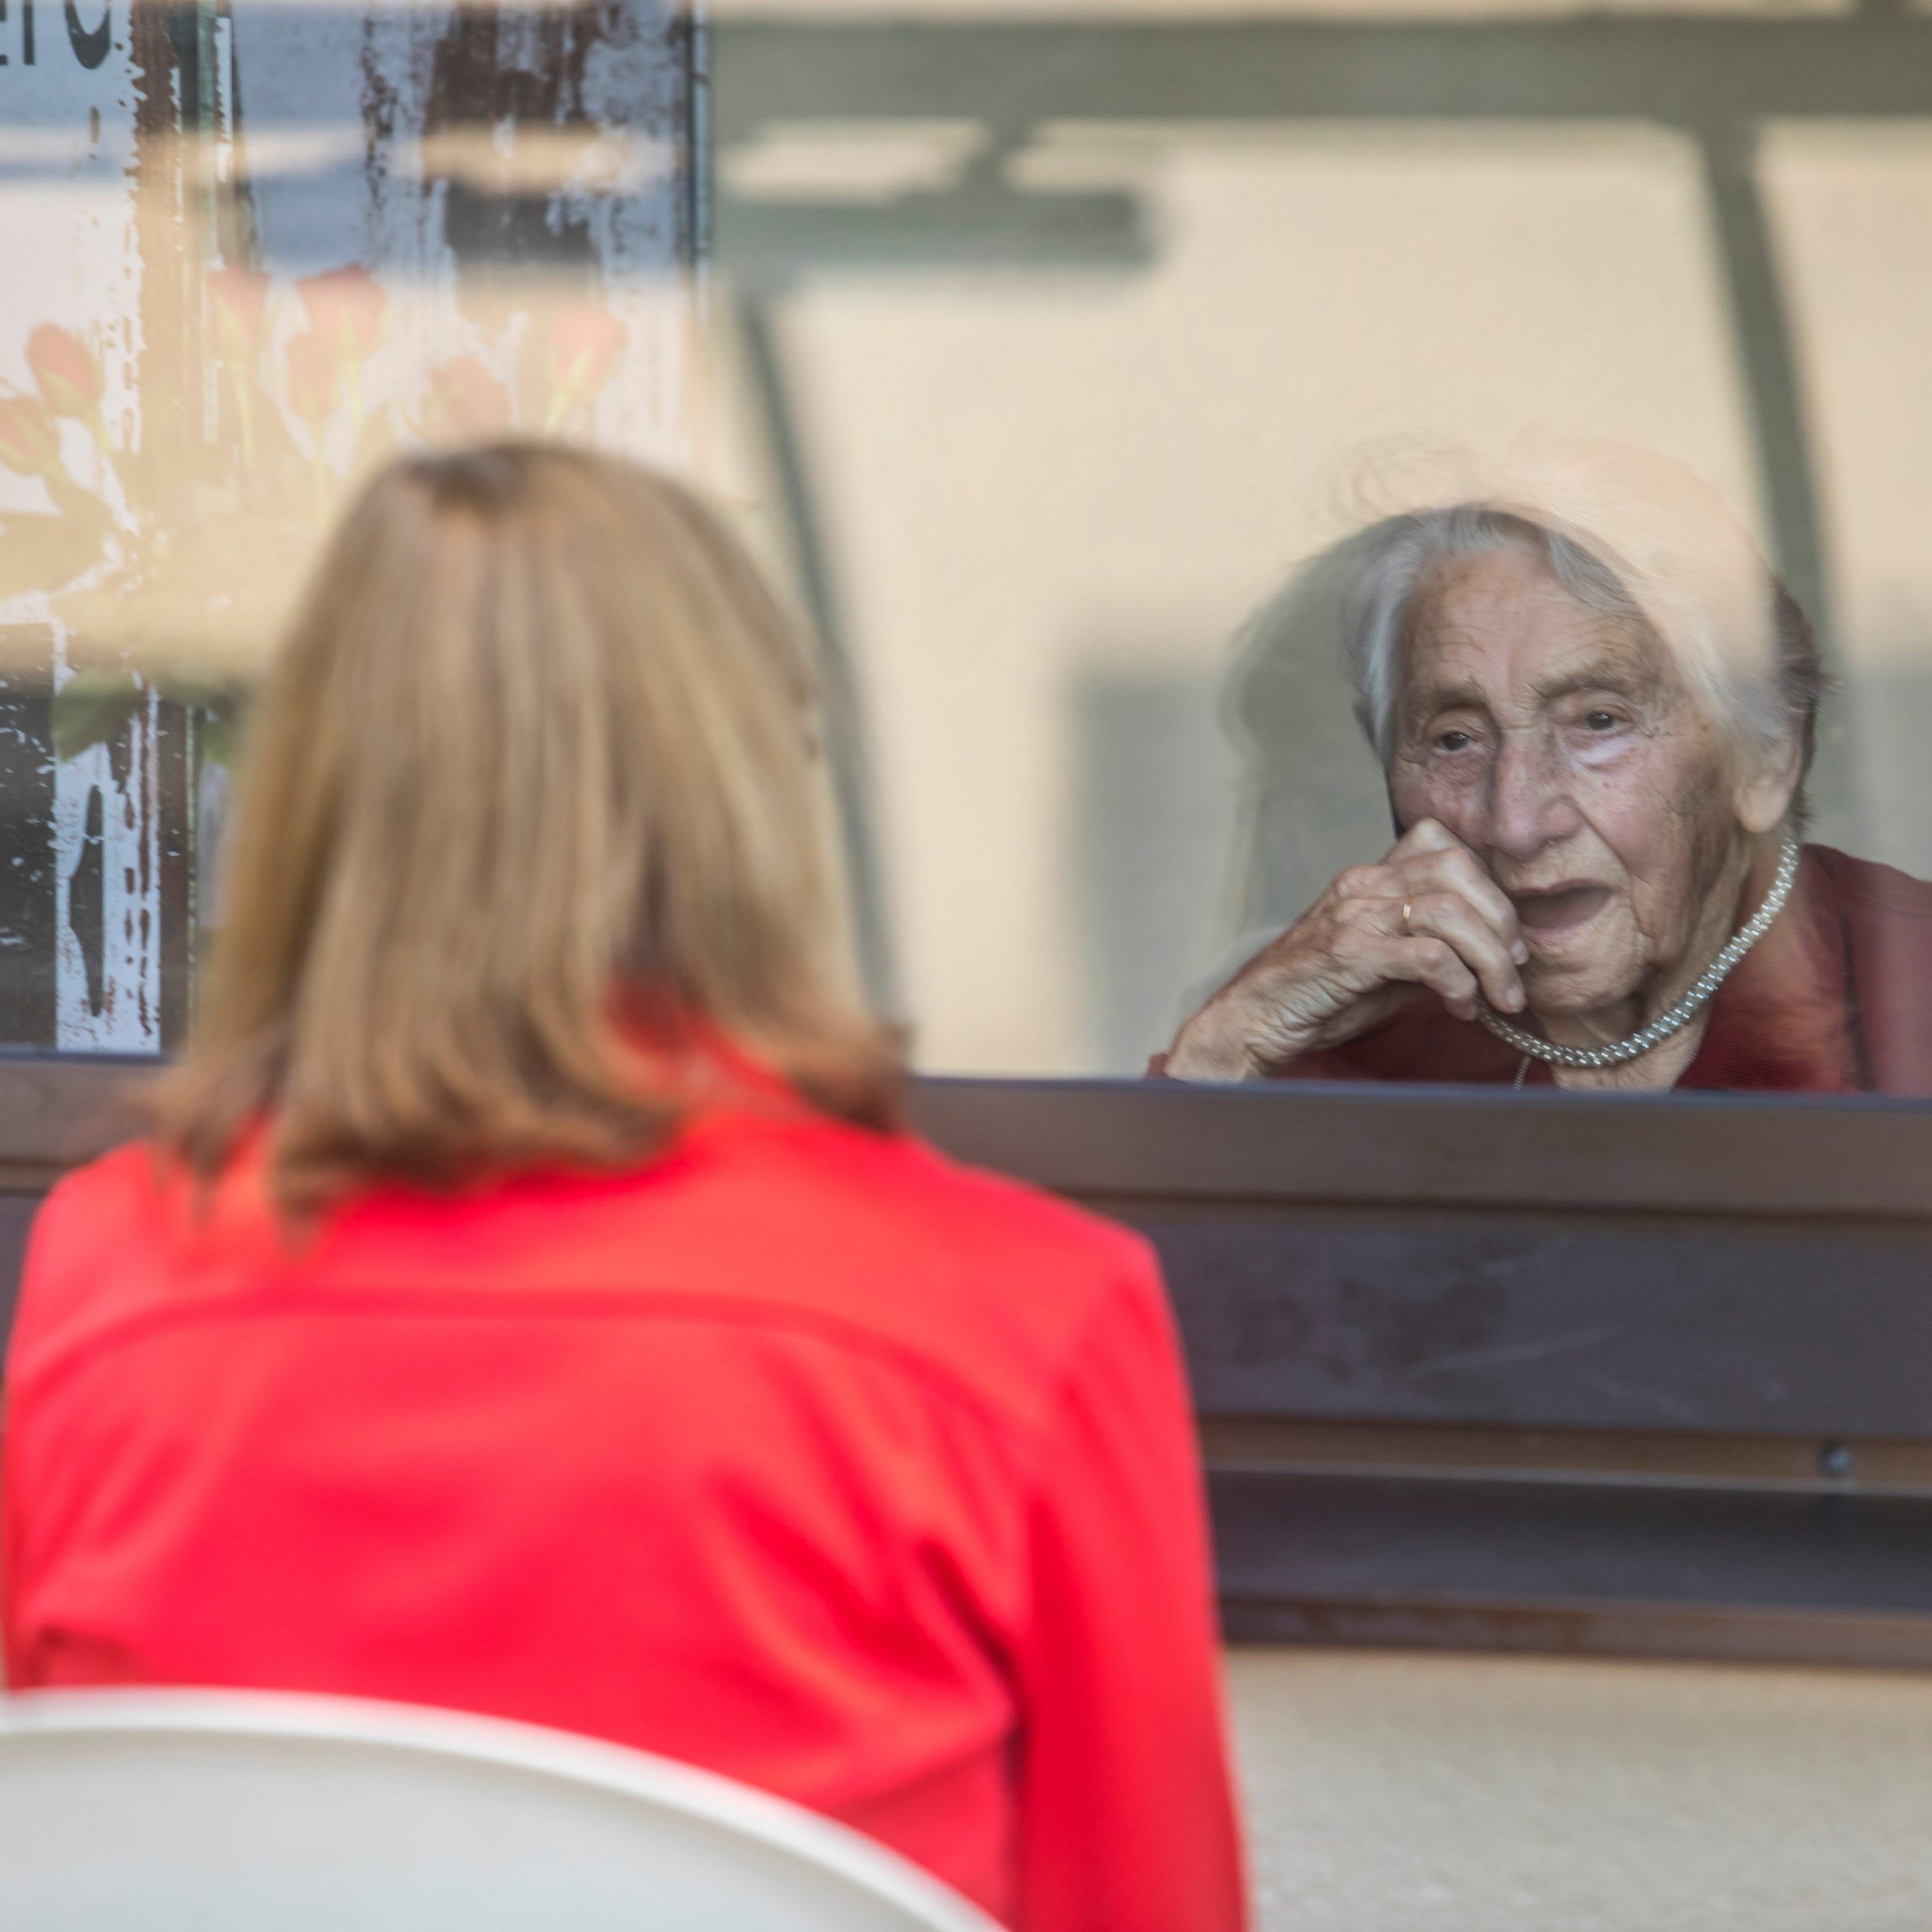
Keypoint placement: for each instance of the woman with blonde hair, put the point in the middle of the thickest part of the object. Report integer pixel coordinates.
(526, 1301)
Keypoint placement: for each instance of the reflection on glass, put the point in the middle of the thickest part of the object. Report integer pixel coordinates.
(1595, 710)
(272, 244)
(1036, 342)
(1063, 339)
(1048, 495)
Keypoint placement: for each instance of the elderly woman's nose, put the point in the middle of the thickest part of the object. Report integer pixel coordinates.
(1530, 804)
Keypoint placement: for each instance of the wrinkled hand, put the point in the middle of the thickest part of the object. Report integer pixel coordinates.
(1350, 960)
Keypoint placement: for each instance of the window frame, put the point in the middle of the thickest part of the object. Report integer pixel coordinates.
(1720, 1453)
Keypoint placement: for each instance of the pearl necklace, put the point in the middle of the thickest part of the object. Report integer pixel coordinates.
(1675, 1017)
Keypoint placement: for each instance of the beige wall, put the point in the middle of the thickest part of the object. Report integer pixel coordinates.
(1432, 1793)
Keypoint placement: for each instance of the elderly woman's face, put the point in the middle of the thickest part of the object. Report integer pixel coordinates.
(1564, 749)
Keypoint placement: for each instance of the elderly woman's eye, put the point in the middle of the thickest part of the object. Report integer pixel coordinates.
(1454, 741)
(1602, 721)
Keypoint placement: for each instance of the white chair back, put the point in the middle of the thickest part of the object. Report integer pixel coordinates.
(216, 1811)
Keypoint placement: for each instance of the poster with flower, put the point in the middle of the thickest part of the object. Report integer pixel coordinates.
(288, 242)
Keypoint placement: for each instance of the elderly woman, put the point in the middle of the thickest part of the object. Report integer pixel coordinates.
(1595, 749)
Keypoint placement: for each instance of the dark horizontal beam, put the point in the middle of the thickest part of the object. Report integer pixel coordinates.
(1379, 1539)
(1651, 1458)
(1552, 1565)
(1729, 1264)
(1302, 1143)
(1738, 1634)
(1735, 1327)
(1016, 75)
(767, 241)
(57, 1109)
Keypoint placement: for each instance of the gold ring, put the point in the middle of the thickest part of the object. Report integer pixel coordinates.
(1405, 918)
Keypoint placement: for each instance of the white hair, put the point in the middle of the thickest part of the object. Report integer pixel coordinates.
(1759, 679)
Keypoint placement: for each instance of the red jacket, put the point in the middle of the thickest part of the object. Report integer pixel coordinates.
(799, 1454)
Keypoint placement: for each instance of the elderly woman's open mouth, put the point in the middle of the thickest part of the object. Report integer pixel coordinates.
(1556, 910)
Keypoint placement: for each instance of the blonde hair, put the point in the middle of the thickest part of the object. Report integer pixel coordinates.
(529, 809)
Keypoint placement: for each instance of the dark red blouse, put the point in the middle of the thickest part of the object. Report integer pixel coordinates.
(800, 1453)
(1835, 998)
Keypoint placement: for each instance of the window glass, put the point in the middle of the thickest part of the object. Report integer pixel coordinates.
(1069, 362)
(1066, 343)
(1113, 466)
